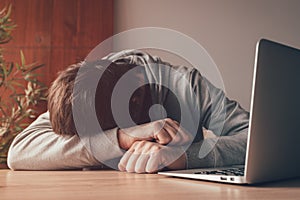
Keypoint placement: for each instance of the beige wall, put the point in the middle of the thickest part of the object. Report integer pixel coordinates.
(227, 29)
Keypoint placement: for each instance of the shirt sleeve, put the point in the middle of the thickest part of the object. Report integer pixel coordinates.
(39, 148)
(227, 120)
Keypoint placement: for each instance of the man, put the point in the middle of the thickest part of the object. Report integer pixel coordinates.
(151, 144)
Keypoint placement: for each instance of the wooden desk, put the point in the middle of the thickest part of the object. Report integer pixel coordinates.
(73, 185)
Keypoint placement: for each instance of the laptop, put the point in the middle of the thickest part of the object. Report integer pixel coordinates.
(273, 146)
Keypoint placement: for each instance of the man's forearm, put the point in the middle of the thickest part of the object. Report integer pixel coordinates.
(219, 151)
(39, 148)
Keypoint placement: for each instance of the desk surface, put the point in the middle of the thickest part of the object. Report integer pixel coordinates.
(109, 184)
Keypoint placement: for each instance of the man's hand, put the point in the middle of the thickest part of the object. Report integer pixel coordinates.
(150, 157)
(163, 132)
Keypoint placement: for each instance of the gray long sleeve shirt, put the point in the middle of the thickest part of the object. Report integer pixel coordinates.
(39, 148)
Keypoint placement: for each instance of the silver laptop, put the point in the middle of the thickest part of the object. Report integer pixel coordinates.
(273, 147)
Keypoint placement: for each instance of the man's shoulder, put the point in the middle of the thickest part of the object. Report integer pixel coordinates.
(126, 55)
(42, 120)
(154, 63)
(44, 116)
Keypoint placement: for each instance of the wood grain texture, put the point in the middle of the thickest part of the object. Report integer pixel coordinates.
(108, 184)
(57, 33)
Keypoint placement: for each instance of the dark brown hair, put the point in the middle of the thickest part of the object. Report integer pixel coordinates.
(60, 101)
(61, 97)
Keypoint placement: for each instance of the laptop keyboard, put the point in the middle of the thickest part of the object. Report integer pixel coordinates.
(227, 172)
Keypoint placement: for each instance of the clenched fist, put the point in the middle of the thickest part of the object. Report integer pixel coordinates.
(164, 131)
(150, 157)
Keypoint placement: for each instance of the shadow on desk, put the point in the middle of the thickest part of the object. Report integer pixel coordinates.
(287, 183)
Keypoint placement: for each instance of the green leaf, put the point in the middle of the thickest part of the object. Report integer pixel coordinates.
(22, 58)
(11, 67)
(8, 12)
(35, 68)
(18, 84)
(31, 80)
(4, 71)
(18, 66)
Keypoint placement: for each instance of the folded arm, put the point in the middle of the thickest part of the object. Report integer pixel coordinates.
(39, 148)
(227, 120)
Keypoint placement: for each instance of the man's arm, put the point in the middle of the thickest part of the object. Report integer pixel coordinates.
(219, 151)
(39, 148)
(227, 120)
(164, 131)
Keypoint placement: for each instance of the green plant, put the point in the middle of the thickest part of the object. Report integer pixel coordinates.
(20, 90)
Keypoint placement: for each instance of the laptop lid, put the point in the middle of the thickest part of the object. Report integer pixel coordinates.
(274, 133)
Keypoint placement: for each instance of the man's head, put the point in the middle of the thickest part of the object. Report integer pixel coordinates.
(60, 101)
(61, 96)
